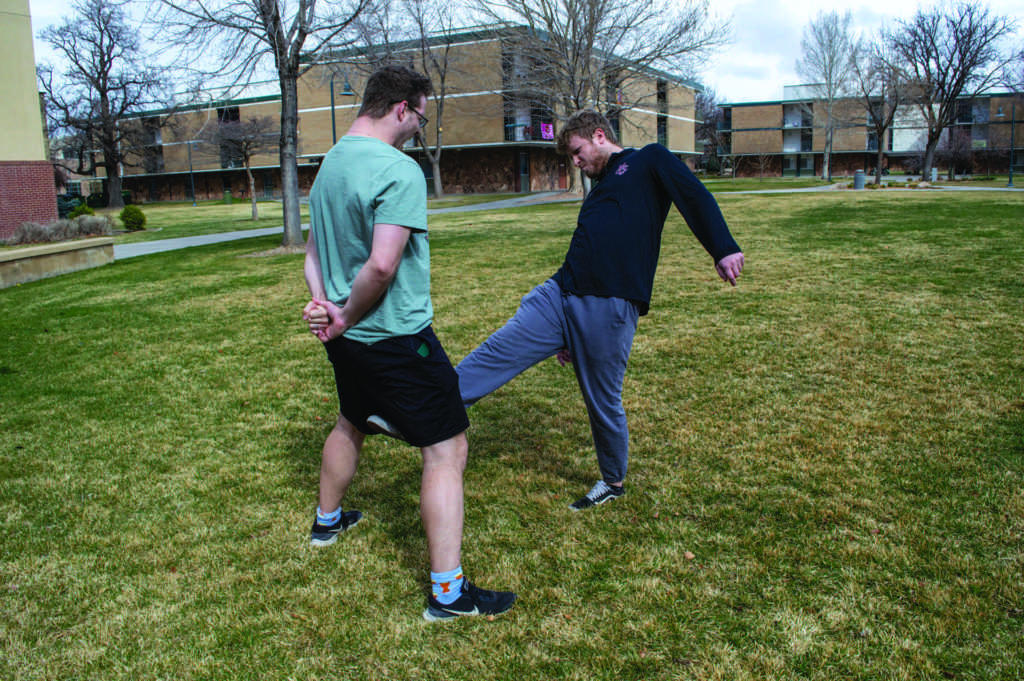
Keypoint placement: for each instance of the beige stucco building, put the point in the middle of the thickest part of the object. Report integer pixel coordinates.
(27, 190)
(787, 137)
(494, 138)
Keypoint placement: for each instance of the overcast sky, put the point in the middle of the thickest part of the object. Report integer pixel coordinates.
(766, 34)
(766, 37)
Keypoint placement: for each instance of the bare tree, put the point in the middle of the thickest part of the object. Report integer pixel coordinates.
(435, 28)
(419, 34)
(707, 130)
(1013, 73)
(764, 160)
(106, 82)
(957, 151)
(577, 54)
(245, 34)
(239, 141)
(947, 53)
(879, 85)
(827, 45)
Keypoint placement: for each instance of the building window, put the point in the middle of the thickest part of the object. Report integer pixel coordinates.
(230, 155)
(614, 117)
(153, 146)
(526, 122)
(964, 112)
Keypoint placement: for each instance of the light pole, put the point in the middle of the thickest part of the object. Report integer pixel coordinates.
(346, 91)
(1013, 123)
(191, 176)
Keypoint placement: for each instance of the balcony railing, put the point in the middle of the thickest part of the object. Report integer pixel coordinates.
(538, 131)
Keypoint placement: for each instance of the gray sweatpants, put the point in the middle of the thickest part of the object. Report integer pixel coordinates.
(597, 331)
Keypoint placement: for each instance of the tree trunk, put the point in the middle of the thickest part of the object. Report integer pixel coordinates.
(435, 164)
(577, 181)
(933, 143)
(929, 159)
(114, 200)
(289, 163)
(252, 191)
(878, 162)
(826, 170)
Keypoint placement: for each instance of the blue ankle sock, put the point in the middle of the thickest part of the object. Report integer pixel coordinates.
(447, 586)
(328, 518)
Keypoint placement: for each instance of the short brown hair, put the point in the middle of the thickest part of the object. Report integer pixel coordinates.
(389, 86)
(584, 124)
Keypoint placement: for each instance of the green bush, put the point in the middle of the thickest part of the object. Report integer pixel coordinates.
(80, 210)
(67, 203)
(133, 218)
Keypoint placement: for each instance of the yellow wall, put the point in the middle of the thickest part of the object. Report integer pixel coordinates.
(20, 115)
(473, 112)
(756, 130)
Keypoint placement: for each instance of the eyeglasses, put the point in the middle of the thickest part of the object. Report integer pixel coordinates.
(423, 119)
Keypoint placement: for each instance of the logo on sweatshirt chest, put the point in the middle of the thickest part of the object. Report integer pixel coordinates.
(621, 170)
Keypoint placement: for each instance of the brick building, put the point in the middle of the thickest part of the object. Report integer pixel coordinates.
(495, 139)
(27, 191)
(787, 137)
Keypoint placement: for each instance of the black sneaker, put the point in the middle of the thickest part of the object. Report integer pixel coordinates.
(385, 427)
(598, 494)
(323, 535)
(473, 601)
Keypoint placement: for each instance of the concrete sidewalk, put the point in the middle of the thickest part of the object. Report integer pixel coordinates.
(123, 251)
(146, 247)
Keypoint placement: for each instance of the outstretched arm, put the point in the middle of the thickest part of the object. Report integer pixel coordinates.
(700, 210)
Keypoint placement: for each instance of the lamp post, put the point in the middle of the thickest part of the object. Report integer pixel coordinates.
(346, 91)
(1013, 123)
(191, 176)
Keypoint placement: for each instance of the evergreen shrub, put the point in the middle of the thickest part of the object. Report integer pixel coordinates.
(133, 218)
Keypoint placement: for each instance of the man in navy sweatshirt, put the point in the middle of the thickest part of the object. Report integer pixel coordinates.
(587, 312)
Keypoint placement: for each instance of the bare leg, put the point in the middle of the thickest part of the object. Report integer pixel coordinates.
(338, 463)
(441, 502)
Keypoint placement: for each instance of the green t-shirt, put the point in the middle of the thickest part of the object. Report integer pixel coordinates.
(363, 182)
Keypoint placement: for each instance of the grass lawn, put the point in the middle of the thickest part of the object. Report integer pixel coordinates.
(752, 184)
(180, 219)
(826, 471)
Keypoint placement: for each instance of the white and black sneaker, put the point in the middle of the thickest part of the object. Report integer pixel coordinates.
(598, 494)
(324, 535)
(385, 427)
(472, 601)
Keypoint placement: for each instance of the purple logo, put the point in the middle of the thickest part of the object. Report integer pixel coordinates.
(621, 170)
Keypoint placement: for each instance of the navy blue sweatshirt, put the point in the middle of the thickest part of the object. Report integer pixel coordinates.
(614, 250)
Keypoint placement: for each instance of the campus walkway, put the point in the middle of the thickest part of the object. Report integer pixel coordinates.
(122, 251)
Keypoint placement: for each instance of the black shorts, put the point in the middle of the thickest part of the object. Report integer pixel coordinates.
(407, 380)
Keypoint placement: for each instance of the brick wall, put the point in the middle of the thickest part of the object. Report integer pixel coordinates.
(27, 194)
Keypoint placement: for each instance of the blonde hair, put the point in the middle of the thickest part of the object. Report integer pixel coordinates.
(584, 124)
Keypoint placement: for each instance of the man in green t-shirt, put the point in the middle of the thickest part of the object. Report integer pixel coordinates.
(368, 271)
